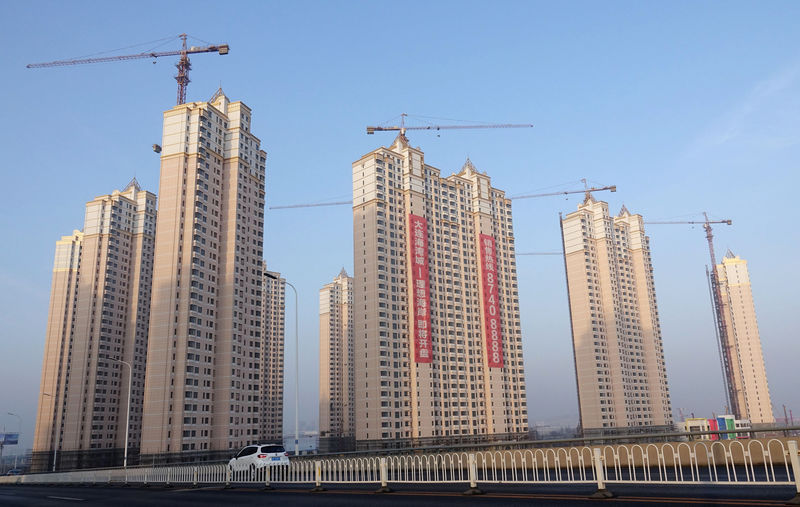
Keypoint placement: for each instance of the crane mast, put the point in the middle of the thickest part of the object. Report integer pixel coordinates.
(724, 339)
(184, 66)
(724, 343)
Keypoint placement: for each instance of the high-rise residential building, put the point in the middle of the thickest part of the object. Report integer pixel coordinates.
(748, 372)
(336, 368)
(272, 340)
(202, 387)
(99, 310)
(616, 335)
(438, 343)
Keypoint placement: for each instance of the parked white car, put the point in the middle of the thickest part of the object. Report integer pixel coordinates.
(258, 456)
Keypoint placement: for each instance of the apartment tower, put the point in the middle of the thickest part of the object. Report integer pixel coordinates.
(336, 368)
(202, 386)
(438, 344)
(616, 335)
(99, 310)
(272, 340)
(747, 361)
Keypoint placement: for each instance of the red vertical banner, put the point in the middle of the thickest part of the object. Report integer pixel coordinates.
(491, 302)
(419, 298)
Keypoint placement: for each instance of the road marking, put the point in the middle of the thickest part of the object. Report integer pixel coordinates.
(66, 498)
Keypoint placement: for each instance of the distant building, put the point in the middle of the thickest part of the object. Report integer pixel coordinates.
(750, 388)
(438, 342)
(616, 335)
(719, 423)
(336, 366)
(272, 343)
(99, 311)
(202, 386)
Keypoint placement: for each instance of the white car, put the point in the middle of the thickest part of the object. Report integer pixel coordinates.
(258, 456)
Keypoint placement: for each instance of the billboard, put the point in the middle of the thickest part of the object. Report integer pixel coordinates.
(9, 438)
(420, 288)
(713, 426)
(491, 302)
(722, 425)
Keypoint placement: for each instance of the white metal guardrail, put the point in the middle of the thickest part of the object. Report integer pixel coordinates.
(762, 462)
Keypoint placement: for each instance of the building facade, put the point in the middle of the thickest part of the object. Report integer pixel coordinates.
(98, 316)
(748, 372)
(202, 385)
(438, 342)
(272, 342)
(336, 366)
(616, 334)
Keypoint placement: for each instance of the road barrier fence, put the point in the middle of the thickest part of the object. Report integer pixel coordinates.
(761, 462)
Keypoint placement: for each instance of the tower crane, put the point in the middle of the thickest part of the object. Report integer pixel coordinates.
(403, 127)
(183, 65)
(586, 189)
(724, 343)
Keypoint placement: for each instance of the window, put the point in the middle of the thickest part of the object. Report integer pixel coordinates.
(247, 451)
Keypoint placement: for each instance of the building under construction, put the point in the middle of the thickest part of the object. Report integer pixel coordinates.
(616, 334)
(748, 389)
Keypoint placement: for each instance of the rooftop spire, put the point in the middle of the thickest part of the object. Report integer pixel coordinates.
(343, 273)
(401, 141)
(217, 94)
(469, 167)
(135, 184)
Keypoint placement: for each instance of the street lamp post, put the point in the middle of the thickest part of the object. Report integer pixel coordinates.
(296, 370)
(19, 432)
(128, 416)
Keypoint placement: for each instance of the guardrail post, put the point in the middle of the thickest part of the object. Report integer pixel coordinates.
(228, 472)
(169, 476)
(472, 469)
(794, 457)
(146, 473)
(266, 478)
(318, 477)
(194, 477)
(599, 474)
(384, 477)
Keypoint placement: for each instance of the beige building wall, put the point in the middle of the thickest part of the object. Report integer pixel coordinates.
(616, 334)
(738, 310)
(457, 395)
(336, 368)
(202, 381)
(272, 343)
(99, 310)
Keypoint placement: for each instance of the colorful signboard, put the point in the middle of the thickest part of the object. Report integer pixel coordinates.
(712, 426)
(420, 296)
(491, 302)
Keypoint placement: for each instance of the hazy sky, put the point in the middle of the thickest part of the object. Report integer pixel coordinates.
(686, 106)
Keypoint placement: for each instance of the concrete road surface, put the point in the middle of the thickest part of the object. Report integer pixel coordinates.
(358, 497)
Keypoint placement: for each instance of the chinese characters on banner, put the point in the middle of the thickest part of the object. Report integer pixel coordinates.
(491, 303)
(420, 296)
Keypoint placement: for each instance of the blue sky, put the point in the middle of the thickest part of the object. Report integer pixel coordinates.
(686, 106)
